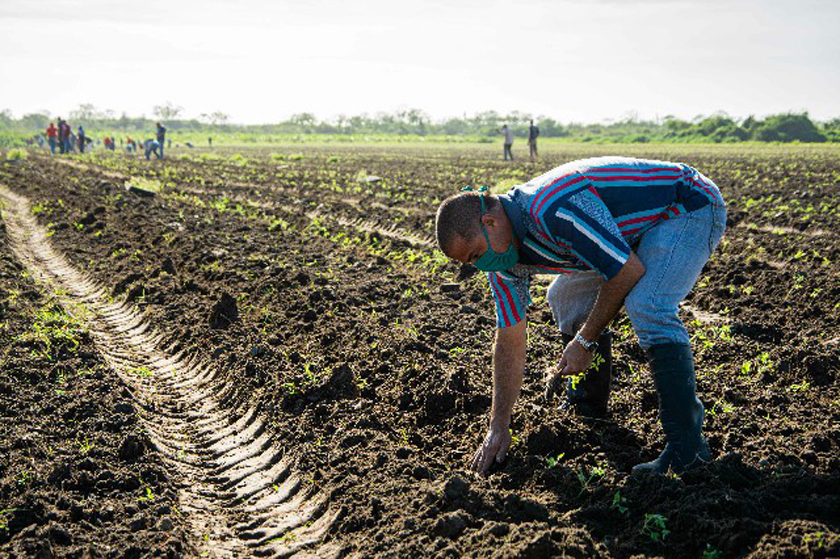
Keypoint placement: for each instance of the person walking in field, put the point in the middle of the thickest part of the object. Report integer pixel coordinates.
(615, 231)
(533, 134)
(161, 138)
(52, 134)
(508, 141)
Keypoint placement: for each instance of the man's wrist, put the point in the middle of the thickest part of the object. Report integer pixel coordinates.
(589, 345)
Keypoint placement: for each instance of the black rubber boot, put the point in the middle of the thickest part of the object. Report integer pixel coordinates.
(591, 394)
(680, 410)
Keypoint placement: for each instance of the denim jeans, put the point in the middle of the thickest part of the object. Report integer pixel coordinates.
(52, 146)
(673, 253)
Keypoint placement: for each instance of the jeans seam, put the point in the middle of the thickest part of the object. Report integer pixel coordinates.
(664, 269)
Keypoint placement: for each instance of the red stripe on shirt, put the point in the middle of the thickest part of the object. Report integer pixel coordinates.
(510, 300)
(635, 179)
(705, 188)
(549, 195)
(639, 219)
(497, 292)
(633, 170)
(559, 270)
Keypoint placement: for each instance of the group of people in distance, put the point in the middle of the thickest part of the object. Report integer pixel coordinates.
(533, 134)
(63, 137)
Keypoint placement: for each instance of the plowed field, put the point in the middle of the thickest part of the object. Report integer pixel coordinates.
(267, 356)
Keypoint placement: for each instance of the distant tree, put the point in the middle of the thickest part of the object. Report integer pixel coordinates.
(788, 127)
(675, 127)
(167, 111)
(831, 130)
(215, 118)
(550, 128)
(306, 121)
(85, 112)
(34, 120)
(6, 118)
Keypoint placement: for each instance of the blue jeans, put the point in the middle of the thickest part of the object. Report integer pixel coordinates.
(155, 150)
(673, 253)
(52, 146)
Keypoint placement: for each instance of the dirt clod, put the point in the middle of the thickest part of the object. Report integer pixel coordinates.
(224, 312)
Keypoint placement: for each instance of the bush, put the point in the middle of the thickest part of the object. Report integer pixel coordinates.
(16, 154)
(788, 128)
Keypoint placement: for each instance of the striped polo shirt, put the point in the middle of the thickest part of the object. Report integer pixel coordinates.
(585, 215)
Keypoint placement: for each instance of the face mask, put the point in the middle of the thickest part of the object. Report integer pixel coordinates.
(492, 261)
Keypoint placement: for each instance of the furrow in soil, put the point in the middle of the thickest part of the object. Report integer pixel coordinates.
(239, 495)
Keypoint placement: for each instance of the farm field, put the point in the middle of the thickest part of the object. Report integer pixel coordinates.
(269, 357)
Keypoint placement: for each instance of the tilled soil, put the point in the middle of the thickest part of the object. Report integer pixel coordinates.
(78, 474)
(315, 295)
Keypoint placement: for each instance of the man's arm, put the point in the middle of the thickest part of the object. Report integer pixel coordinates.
(610, 298)
(508, 371)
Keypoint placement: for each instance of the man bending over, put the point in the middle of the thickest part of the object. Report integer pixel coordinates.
(615, 231)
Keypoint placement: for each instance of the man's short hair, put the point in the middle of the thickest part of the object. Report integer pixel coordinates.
(459, 216)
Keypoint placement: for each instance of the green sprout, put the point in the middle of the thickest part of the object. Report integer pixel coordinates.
(619, 503)
(655, 527)
(554, 461)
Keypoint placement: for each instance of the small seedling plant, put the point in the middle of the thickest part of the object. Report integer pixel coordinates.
(619, 503)
(554, 461)
(587, 479)
(655, 527)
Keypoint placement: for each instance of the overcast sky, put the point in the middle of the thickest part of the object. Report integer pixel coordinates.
(573, 60)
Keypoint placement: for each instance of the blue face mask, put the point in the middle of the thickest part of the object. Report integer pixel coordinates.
(492, 261)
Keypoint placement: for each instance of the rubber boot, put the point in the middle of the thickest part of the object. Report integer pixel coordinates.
(590, 395)
(680, 410)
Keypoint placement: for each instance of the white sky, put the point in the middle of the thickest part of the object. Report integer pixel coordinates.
(261, 61)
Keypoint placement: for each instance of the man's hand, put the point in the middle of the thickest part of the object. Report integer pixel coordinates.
(574, 361)
(495, 445)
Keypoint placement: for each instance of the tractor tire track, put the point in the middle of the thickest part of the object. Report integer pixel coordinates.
(239, 495)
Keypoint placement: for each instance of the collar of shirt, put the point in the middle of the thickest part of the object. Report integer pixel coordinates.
(514, 214)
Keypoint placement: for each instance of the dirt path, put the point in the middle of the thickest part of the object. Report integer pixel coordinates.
(238, 495)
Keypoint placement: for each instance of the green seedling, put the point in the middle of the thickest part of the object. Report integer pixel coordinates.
(4, 521)
(655, 527)
(554, 461)
(619, 503)
(597, 361)
(721, 407)
(149, 495)
(800, 387)
(816, 537)
(85, 446)
(141, 371)
(285, 538)
(586, 479)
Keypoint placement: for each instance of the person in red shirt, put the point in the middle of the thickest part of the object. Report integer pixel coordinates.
(52, 132)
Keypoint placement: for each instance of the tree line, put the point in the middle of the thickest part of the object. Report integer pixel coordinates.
(483, 126)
